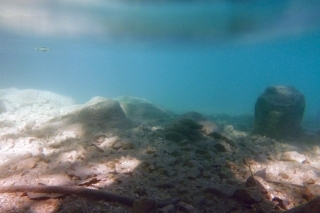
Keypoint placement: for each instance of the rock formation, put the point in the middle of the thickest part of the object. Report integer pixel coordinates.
(279, 112)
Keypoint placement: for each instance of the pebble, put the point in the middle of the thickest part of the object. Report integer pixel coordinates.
(144, 205)
(168, 209)
(99, 137)
(248, 195)
(127, 144)
(284, 175)
(117, 145)
(222, 147)
(292, 156)
(108, 143)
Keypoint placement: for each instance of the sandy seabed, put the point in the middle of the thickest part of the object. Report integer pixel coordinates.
(130, 147)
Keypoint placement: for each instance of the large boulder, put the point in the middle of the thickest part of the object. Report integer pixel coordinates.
(98, 114)
(100, 109)
(138, 109)
(279, 112)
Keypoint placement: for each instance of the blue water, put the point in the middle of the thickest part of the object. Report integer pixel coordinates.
(206, 57)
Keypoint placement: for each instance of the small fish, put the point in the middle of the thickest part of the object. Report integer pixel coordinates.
(43, 49)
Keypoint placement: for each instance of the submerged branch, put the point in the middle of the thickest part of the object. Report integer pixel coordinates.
(81, 192)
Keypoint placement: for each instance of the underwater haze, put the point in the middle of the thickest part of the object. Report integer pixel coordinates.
(205, 56)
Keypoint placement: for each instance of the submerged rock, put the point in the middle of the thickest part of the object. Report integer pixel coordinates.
(99, 113)
(193, 126)
(279, 112)
(292, 156)
(312, 206)
(183, 128)
(249, 195)
(138, 109)
(144, 205)
(101, 110)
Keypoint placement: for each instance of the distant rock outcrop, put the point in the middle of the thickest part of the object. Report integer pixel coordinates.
(279, 112)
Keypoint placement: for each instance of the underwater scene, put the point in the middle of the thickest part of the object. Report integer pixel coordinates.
(159, 106)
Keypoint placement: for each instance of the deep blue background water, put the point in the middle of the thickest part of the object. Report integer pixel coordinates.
(214, 72)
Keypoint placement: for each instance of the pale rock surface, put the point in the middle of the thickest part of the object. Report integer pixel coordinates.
(293, 156)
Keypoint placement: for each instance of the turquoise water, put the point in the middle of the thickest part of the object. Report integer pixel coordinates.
(210, 57)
